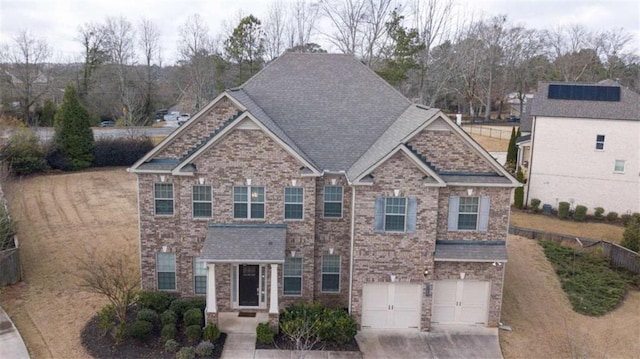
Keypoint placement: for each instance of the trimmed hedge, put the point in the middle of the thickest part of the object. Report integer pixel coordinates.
(181, 305)
(563, 210)
(193, 333)
(211, 332)
(330, 324)
(141, 330)
(264, 333)
(193, 316)
(123, 151)
(580, 213)
(158, 301)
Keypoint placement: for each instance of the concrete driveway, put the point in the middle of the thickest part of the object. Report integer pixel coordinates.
(441, 342)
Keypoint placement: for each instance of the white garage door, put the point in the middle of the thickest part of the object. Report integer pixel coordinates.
(460, 302)
(391, 305)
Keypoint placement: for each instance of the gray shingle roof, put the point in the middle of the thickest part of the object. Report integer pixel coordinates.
(474, 178)
(257, 243)
(628, 108)
(331, 105)
(471, 251)
(525, 116)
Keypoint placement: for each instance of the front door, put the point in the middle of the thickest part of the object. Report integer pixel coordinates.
(248, 285)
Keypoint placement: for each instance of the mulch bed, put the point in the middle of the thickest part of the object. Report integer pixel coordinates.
(103, 347)
(281, 342)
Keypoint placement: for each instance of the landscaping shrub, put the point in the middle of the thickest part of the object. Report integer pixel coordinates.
(518, 196)
(186, 353)
(169, 332)
(158, 301)
(193, 316)
(106, 319)
(123, 151)
(631, 235)
(56, 159)
(563, 210)
(205, 349)
(265, 333)
(592, 287)
(171, 346)
(598, 213)
(141, 329)
(181, 305)
(330, 324)
(625, 218)
(148, 315)
(612, 216)
(580, 213)
(7, 230)
(193, 333)
(169, 317)
(344, 330)
(211, 332)
(23, 153)
(535, 205)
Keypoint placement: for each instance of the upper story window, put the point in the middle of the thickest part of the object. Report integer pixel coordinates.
(248, 202)
(166, 271)
(202, 199)
(292, 273)
(468, 213)
(600, 142)
(163, 198)
(619, 166)
(333, 201)
(396, 214)
(199, 276)
(293, 202)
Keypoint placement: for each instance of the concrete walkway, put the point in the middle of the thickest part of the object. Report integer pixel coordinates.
(241, 346)
(11, 343)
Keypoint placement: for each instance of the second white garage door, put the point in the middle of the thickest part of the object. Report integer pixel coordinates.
(391, 305)
(460, 302)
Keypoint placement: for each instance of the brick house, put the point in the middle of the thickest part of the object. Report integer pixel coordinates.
(316, 180)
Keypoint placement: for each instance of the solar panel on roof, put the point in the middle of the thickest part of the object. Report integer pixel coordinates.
(584, 93)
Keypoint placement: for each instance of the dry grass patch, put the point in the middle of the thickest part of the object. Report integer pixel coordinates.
(492, 144)
(608, 232)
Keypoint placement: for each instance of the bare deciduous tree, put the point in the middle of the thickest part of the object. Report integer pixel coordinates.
(301, 23)
(120, 47)
(374, 30)
(274, 30)
(27, 76)
(92, 37)
(347, 17)
(149, 42)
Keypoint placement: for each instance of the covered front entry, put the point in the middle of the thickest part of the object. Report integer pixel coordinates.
(249, 284)
(460, 301)
(391, 305)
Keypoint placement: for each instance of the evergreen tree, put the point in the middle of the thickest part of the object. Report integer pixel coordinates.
(245, 47)
(73, 136)
(48, 113)
(512, 152)
(631, 235)
(518, 199)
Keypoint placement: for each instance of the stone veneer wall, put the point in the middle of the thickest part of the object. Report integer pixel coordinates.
(447, 151)
(198, 130)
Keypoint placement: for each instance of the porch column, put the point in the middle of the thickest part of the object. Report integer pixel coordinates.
(273, 297)
(212, 304)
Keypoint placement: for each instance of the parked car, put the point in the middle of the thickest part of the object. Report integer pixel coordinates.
(514, 118)
(172, 116)
(108, 123)
(183, 118)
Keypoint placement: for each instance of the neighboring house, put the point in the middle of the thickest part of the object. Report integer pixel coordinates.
(524, 141)
(585, 146)
(316, 180)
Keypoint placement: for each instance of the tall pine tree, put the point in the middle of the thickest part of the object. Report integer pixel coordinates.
(73, 137)
(512, 152)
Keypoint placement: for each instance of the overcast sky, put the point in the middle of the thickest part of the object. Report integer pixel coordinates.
(57, 21)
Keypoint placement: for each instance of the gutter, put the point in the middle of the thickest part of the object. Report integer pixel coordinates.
(530, 172)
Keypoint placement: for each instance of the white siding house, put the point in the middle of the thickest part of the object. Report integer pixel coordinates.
(585, 149)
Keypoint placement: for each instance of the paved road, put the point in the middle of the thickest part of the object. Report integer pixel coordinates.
(46, 133)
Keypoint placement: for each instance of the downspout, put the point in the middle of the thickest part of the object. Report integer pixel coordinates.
(530, 172)
(353, 231)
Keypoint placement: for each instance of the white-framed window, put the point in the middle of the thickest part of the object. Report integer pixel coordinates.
(600, 142)
(202, 199)
(166, 271)
(292, 274)
(248, 202)
(395, 214)
(163, 199)
(619, 166)
(293, 202)
(333, 201)
(199, 276)
(330, 273)
(468, 213)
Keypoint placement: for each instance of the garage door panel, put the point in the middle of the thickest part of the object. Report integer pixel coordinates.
(375, 305)
(391, 305)
(460, 301)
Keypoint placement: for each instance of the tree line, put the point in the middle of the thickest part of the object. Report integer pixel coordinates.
(421, 47)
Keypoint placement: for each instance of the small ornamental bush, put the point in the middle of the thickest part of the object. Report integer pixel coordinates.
(598, 213)
(141, 330)
(612, 216)
(168, 332)
(158, 301)
(631, 234)
(23, 153)
(186, 353)
(625, 219)
(193, 333)
(148, 315)
(181, 305)
(580, 213)
(169, 317)
(193, 316)
(205, 349)
(535, 205)
(106, 319)
(345, 329)
(264, 333)
(171, 346)
(211, 332)
(563, 210)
